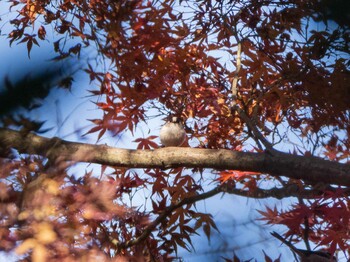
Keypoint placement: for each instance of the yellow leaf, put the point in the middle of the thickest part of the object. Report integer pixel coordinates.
(45, 234)
(23, 215)
(39, 253)
(221, 101)
(51, 186)
(25, 246)
(189, 113)
(38, 214)
(32, 12)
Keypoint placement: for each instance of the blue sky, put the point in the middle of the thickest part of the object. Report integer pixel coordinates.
(67, 111)
(75, 107)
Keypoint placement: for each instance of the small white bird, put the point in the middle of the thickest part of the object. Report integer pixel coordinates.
(172, 133)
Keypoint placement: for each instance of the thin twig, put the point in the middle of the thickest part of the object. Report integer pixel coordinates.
(294, 250)
(278, 193)
(236, 75)
(255, 131)
(148, 230)
(306, 224)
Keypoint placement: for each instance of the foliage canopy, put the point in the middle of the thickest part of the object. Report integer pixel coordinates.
(263, 85)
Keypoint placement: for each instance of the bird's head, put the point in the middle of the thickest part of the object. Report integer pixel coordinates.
(175, 119)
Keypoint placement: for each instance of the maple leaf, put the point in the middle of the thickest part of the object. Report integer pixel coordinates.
(203, 60)
(271, 216)
(146, 143)
(235, 175)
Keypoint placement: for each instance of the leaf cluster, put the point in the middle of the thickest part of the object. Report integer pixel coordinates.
(246, 75)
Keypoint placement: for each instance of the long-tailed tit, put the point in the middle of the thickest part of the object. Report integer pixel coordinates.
(172, 133)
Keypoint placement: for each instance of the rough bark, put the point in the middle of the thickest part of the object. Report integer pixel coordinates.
(311, 169)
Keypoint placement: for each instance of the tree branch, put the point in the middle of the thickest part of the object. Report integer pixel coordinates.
(148, 230)
(310, 169)
(290, 190)
(257, 135)
(236, 75)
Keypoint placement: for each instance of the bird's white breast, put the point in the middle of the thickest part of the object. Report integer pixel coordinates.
(172, 134)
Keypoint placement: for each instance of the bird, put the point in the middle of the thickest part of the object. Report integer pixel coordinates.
(172, 132)
(307, 255)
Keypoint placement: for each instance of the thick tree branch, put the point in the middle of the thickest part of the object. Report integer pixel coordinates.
(311, 169)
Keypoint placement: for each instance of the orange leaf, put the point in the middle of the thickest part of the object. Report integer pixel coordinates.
(235, 175)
